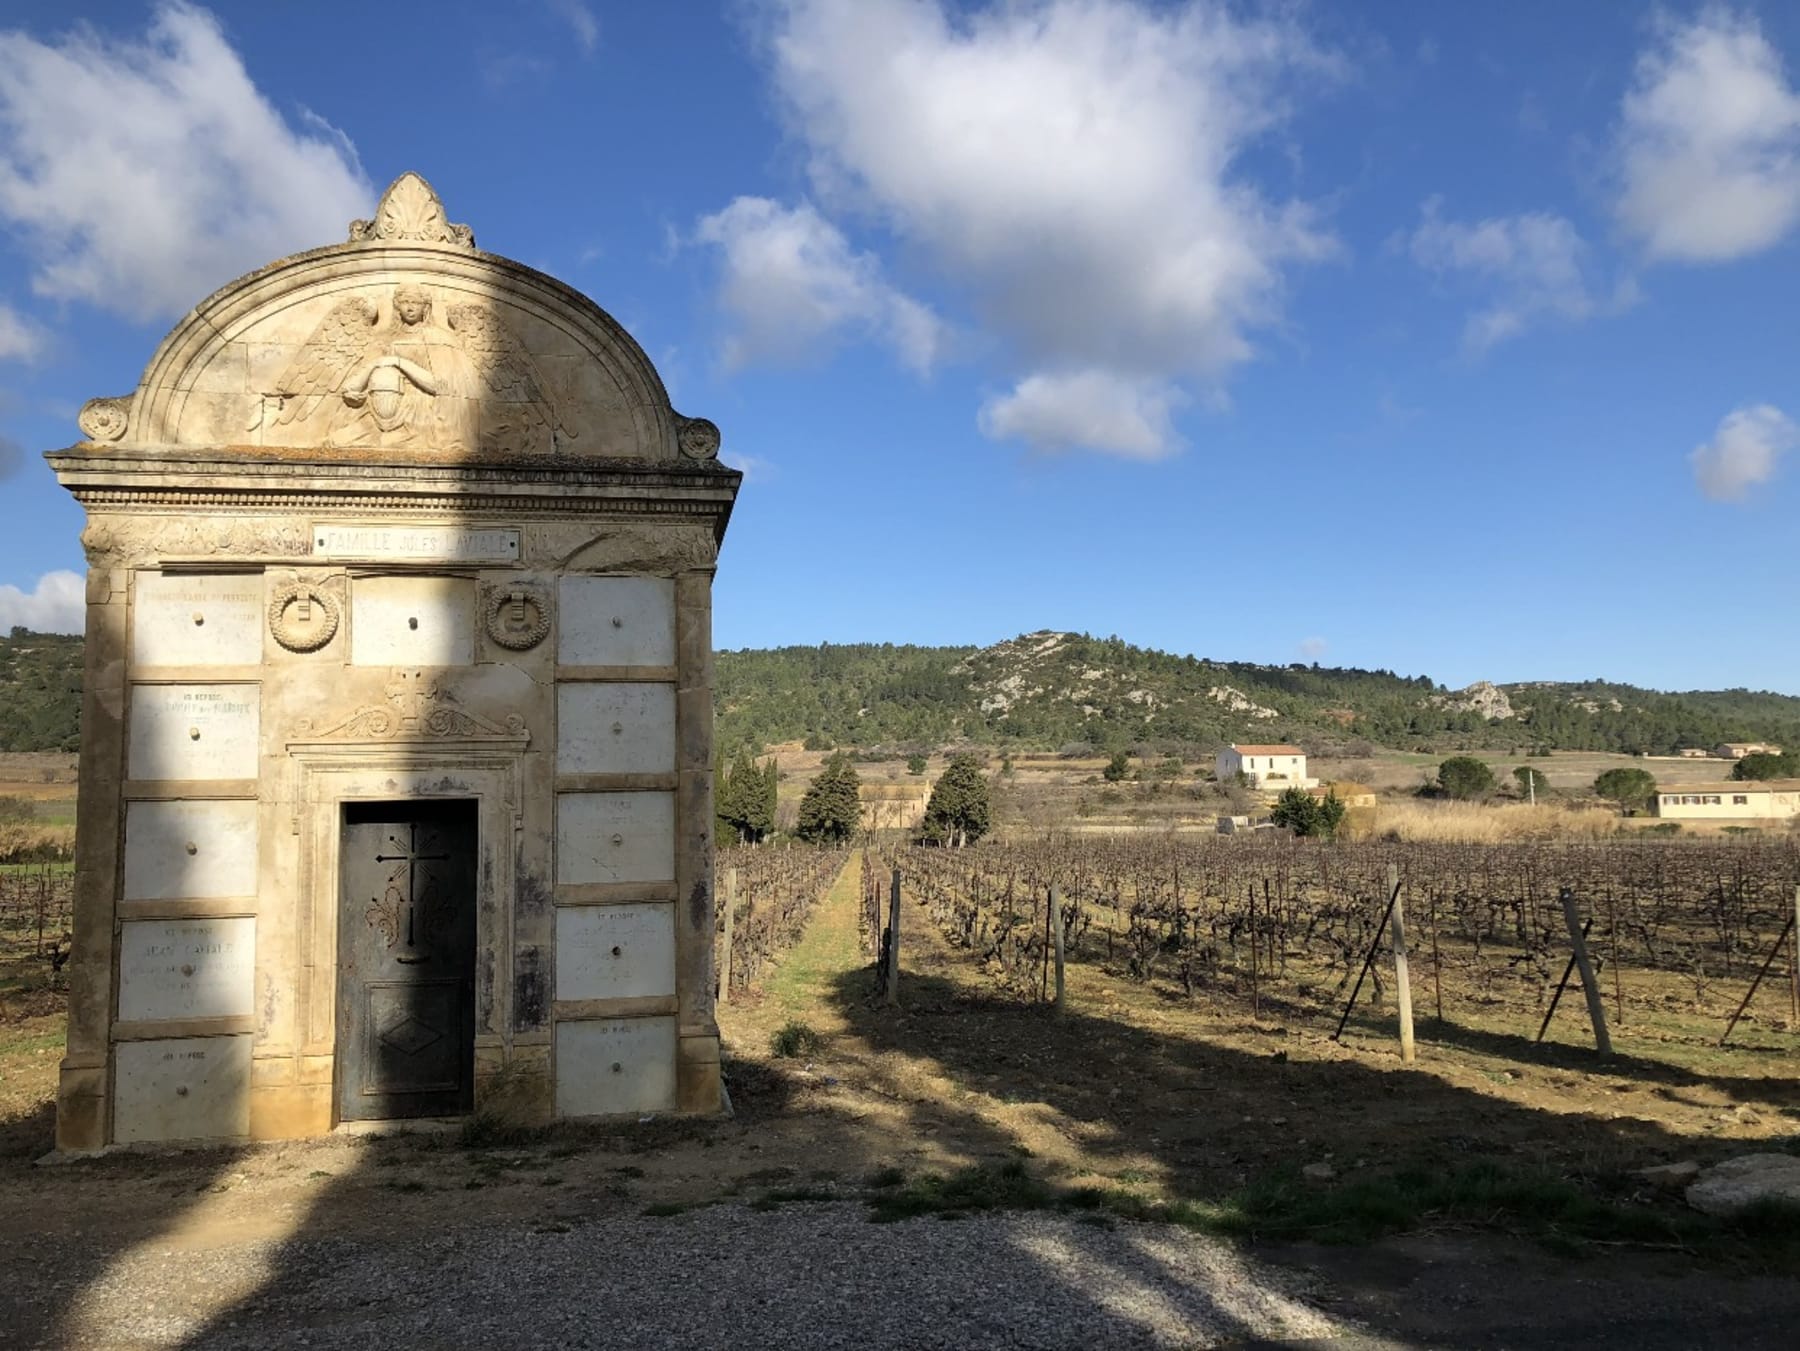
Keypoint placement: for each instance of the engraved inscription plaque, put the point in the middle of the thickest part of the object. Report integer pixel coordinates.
(189, 850)
(193, 732)
(183, 619)
(616, 621)
(615, 837)
(185, 1088)
(425, 543)
(614, 1065)
(615, 728)
(615, 951)
(187, 968)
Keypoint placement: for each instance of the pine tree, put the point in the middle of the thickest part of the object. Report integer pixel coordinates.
(958, 812)
(831, 809)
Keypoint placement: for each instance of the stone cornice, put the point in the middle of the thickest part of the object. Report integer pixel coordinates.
(248, 479)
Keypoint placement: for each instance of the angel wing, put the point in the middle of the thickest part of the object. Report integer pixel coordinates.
(335, 346)
(508, 374)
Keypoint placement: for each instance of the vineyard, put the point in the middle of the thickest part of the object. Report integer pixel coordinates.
(36, 909)
(765, 894)
(1677, 929)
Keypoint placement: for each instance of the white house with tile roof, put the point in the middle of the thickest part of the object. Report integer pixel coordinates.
(1268, 767)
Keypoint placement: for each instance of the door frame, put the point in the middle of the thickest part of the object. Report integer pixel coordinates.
(326, 781)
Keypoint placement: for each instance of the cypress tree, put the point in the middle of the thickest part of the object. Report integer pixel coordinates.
(831, 810)
(958, 812)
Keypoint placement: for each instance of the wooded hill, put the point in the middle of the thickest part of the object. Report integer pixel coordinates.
(1046, 691)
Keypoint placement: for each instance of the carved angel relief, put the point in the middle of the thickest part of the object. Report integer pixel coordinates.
(413, 382)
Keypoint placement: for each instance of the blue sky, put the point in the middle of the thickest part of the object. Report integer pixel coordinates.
(1453, 339)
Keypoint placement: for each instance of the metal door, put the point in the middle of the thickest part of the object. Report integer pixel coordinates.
(406, 960)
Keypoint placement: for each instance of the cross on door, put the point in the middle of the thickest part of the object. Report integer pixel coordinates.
(403, 912)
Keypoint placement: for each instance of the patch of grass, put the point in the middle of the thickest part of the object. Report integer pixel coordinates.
(794, 1039)
(783, 1196)
(498, 1130)
(406, 1185)
(1563, 1213)
(980, 1187)
(663, 1209)
(883, 1178)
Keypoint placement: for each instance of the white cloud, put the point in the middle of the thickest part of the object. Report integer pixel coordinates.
(1073, 164)
(142, 174)
(1743, 452)
(1313, 648)
(1709, 142)
(581, 21)
(1531, 266)
(58, 604)
(792, 283)
(1092, 409)
(20, 339)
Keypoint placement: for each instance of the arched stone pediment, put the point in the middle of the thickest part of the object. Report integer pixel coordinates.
(408, 339)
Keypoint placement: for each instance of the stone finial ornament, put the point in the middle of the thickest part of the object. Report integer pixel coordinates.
(697, 437)
(410, 212)
(104, 419)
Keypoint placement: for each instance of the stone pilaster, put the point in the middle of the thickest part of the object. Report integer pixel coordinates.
(83, 1118)
(697, 1067)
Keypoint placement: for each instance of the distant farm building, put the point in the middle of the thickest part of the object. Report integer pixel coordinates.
(1272, 768)
(893, 806)
(1346, 792)
(1737, 750)
(1771, 800)
(1693, 753)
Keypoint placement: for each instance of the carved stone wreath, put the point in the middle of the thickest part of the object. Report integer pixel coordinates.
(314, 636)
(514, 630)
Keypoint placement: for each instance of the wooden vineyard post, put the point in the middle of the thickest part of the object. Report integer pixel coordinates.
(1056, 939)
(1774, 952)
(730, 926)
(1589, 985)
(1794, 971)
(1402, 977)
(1255, 994)
(1368, 961)
(893, 954)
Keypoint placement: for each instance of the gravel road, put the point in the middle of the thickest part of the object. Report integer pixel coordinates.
(805, 1276)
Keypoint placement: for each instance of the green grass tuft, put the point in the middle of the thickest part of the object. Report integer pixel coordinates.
(793, 1040)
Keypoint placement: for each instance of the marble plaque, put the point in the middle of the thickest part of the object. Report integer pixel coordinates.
(412, 621)
(193, 732)
(186, 968)
(615, 1065)
(615, 951)
(189, 850)
(615, 837)
(184, 1088)
(615, 728)
(616, 621)
(189, 619)
(445, 543)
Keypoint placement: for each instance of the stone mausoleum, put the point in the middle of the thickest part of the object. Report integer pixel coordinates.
(396, 750)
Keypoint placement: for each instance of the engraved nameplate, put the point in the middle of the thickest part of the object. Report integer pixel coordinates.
(615, 837)
(189, 850)
(615, 728)
(615, 1065)
(187, 1088)
(615, 951)
(448, 543)
(186, 968)
(193, 732)
(180, 619)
